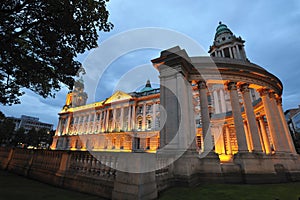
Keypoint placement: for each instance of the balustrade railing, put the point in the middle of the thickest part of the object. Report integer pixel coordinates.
(86, 164)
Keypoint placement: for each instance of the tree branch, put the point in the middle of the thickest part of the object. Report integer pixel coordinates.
(29, 26)
(17, 8)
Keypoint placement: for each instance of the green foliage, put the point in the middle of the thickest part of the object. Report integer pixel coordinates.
(38, 138)
(2, 116)
(39, 41)
(41, 138)
(19, 137)
(7, 128)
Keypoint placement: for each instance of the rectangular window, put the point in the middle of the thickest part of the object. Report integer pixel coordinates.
(140, 109)
(199, 142)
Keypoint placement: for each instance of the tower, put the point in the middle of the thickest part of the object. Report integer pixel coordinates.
(227, 45)
(79, 97)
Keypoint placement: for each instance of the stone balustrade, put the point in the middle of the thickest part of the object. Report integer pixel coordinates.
(99, 173)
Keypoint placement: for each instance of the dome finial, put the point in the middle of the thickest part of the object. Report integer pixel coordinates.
(220, 22)
(148, 84)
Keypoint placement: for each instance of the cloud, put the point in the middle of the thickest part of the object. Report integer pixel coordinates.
(270, 28)
(34, 105)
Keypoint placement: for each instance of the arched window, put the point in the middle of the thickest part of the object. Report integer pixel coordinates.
(149, 122)
(139, 123)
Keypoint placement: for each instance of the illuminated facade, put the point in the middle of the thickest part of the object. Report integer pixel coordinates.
(237, 105)
(123, 122)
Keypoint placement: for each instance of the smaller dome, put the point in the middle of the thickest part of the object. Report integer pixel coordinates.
(222, 28)
(147, 87)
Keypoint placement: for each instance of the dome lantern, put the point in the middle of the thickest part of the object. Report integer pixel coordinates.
(227, 45)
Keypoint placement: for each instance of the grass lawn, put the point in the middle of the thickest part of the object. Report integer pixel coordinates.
(286, 191)
(17, 187)
(14, 187)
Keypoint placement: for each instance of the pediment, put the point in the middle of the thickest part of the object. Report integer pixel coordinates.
(118, 96)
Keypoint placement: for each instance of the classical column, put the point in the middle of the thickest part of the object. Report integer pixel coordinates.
(264, 135)
(228, 139)
(251, 119)
(223, 103)
(216, 102)
(144, 117)
(230, 52)
(280, 133)
(75, 131)
(234, 52)
(248, 137)
(207, 139)
(122, 118)
(223, 55)
(107, 119)
(237, 116)
(93, 123)
(58, 130)
(101, 122)
(133, 118)
(264, 93)
(113, 125)
(286, 129)
(129, 118)
(154, 117)
(238, 52)
(68, 123)
(219, 139)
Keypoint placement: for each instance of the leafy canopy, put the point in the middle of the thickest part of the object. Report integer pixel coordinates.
(39, 41)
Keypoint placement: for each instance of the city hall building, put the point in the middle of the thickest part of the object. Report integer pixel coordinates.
(225, 102)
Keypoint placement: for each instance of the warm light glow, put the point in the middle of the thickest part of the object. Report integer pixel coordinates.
(151, 151)
(225, 158)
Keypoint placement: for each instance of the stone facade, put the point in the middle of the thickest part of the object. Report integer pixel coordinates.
(222, 103)
(123, 122)
(214, 119)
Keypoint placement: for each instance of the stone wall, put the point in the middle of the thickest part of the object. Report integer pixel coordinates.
(78, 171)
(97, 173)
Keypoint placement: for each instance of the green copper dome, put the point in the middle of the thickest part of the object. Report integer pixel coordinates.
(147, 87)
(222, 28)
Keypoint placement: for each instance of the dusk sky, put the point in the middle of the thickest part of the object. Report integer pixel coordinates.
(271, 30)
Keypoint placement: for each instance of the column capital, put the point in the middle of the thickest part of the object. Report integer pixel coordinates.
(263, 91)
(202, 85)
(244, 87)
(279, 101)
(231, 85)
(261, 117)
(272, 95)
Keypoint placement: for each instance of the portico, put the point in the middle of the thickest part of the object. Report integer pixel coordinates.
(240, 102)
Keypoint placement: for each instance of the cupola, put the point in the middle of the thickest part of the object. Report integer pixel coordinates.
(227, 45)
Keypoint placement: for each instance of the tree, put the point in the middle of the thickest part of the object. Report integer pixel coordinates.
(2, 116)
(32, 138)
(40, 41)
(7, 128)
(19, 137)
